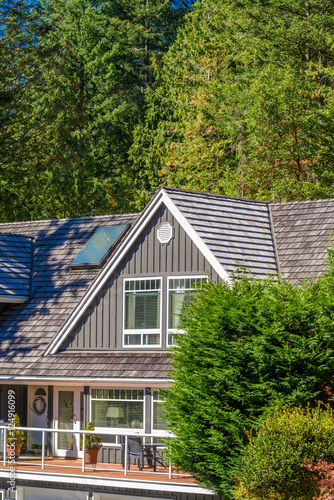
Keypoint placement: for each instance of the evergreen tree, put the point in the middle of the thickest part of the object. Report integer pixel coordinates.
(248, 348)
(249, 83)
(93, 65)
(20, 82)
(184, 140)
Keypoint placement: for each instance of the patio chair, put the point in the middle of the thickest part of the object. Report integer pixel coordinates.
(137, 451)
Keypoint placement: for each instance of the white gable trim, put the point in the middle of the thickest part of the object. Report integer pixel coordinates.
(161, 198)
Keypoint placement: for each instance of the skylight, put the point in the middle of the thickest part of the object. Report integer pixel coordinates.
(98, 247)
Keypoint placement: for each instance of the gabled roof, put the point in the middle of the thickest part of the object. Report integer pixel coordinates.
(16, 267)
(208, 221)
(228, 231)
(303, 231)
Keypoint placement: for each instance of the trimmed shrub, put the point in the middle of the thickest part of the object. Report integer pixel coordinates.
(274, 464)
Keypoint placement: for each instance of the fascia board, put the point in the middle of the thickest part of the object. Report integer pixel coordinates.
(161, 198)
(87, 480)
(119, 381)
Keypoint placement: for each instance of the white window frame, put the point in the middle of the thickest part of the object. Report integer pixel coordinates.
(100, 430)
(155, 431)
(142, 332)
(169, 278)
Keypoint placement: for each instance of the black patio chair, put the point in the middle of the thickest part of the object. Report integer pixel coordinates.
(137, 451)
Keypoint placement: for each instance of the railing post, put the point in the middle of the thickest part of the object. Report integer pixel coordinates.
(43, 449)
(83, 450)
(126, 455)
(170, 470)
(4, 445)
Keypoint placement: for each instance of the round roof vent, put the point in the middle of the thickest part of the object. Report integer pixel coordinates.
(165, 233)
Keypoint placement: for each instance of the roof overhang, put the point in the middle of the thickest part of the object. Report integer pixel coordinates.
(159, 383)
(161, 198)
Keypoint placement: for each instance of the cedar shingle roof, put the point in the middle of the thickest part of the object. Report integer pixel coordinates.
(95, 365)
(15, 259)
(27, 329)
(303, 232)
(237, 231)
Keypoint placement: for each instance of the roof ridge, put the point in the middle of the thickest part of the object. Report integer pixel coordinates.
(301, 201)
(215, 195)
(90, 217)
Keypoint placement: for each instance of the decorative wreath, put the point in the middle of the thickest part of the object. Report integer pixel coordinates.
(39, 405)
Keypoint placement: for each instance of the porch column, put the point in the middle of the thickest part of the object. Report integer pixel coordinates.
(85, 407)
(50, 420)
(148, 410)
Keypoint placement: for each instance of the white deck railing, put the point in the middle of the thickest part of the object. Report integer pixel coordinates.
(126, 434)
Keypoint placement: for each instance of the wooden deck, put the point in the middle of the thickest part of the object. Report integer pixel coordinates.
(100, 469)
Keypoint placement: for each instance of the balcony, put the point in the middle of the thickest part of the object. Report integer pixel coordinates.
(156, 473)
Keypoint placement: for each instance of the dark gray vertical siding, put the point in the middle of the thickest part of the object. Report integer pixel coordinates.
(103, 325)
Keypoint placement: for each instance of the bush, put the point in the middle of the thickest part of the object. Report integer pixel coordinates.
(92, 441)
(274, 465)
(250, 346)
(15, 437)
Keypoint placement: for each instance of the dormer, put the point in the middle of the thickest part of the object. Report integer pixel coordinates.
(16, 268)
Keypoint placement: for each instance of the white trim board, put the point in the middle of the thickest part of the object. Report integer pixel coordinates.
(159, 383)
(82, 481)
(161, 198)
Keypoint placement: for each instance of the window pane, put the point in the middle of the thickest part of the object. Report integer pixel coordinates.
(159, 422)
(65, 419)
(119, 414)
(171, 339)
(107, 439)
(151, 339)
(132, 339)
(99, 244)
(142, 310)
(177, 299)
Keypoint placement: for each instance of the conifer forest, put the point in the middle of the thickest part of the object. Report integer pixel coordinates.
(102, 101)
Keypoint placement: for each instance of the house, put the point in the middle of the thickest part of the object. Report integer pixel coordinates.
(88, 307)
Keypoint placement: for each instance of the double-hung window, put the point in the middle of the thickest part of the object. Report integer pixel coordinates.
(180, 291)
(142, 312)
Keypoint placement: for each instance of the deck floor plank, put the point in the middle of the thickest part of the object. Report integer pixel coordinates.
(100, 469)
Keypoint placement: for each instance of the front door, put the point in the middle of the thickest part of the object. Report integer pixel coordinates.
(67, 406)
(37, 416)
